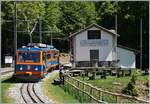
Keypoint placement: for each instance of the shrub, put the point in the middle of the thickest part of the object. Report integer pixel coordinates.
(131, 89)
(133, 79)
(136, 72)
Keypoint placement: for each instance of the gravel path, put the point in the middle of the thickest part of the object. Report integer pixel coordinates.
(6, 69)
(14, 92)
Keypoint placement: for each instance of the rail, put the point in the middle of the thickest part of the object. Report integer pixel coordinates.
(6, 72)
(29, 94)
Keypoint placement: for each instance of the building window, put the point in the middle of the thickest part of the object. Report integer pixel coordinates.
(94, 34)
(94, 55)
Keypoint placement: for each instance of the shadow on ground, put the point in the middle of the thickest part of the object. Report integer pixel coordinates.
(17, 80)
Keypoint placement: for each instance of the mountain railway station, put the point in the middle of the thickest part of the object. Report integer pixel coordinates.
(67, 52)
(96, 46)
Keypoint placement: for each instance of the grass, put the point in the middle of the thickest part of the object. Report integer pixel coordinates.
(55, 92)
(4, 93)
(111, 83)
(114, 84)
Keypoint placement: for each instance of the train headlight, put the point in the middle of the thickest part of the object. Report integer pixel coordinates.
(21, 68)
(36, 69)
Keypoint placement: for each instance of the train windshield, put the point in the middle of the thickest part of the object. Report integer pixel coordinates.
(29, 57)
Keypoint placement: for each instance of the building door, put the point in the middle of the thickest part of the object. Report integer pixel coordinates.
(94, 55)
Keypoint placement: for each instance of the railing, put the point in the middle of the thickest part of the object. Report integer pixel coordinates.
(89, 93)
(100, 64)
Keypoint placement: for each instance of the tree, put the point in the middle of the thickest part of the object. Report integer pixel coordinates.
(52, 16)
(129, 15)
(131, 88)
(30, 12)
(76, 15)
(64, 18)
(106, 12)
(129, 26)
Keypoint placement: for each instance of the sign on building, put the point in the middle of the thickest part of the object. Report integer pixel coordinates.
(102, 42)
(8, 59)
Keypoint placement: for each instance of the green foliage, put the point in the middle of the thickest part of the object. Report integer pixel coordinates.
(4, 94)
(76, 15)
(107, 7)
(64, 18)
(135, 75)
(52, 16)
(32, 11)
(7, 9)
(82, 97)
(131, 88)
(56, 93)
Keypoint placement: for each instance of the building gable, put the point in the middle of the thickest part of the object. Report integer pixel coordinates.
(97, 26)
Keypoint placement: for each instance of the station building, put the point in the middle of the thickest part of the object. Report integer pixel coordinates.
(96, 44)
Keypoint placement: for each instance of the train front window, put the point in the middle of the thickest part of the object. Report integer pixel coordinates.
(29, 57)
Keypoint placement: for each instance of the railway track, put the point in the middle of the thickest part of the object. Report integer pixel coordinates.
(6, 72)
(28, 93)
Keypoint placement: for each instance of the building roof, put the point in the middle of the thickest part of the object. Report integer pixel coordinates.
(94, 25)
(130, 49)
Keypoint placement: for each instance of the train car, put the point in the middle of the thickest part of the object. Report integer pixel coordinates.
(36, 60)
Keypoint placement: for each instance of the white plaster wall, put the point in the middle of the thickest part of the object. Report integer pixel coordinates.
(106, 51)
(127, 58)
(83, 53)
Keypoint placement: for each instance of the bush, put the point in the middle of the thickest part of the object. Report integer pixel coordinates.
(131, 89)
(136, 72)
(133, 79)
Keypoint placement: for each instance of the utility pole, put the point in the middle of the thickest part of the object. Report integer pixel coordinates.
(50, 32)
(40, 29)
(0, 50)
(116, 37)
(51, 38)
(15, 33)
(141, 44)
(0, 35)
(116, 22)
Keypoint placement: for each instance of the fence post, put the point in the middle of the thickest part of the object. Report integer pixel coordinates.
(83, 87)
(100, 93)
(83, 93)
(78, 90)
(116, 99)
(78, 84)
(91, 93)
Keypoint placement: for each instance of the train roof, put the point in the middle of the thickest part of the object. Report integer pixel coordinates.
(46, 49)
(37, 47)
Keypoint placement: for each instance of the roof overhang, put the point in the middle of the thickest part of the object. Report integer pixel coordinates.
(130, 49)
(94, 25)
